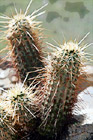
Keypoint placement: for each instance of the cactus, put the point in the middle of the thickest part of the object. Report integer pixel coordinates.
(64, 74)
(18, 110)
(24, 37)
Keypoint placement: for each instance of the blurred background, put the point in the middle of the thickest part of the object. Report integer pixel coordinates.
(63, 20)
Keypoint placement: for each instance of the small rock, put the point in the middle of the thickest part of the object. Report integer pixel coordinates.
(14, 79)
(4, 73)
(5, 82)
(85, 105)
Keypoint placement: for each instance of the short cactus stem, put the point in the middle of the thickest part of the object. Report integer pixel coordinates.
(18, 111)
(65, 73)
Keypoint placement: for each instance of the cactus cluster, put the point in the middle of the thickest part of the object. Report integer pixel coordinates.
(49, 87)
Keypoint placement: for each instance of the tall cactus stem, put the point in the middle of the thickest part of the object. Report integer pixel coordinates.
(24, 36)
(64, 73)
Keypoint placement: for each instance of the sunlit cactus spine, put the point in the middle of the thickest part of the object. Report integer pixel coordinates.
(19, 109)
(64, 75)
(24, 36)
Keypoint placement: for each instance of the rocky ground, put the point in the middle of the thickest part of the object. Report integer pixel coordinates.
(74, 132)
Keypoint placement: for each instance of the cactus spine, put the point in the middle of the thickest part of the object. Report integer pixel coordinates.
(64, 71)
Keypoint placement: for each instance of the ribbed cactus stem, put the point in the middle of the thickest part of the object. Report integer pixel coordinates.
(64, 71)
(25, 46)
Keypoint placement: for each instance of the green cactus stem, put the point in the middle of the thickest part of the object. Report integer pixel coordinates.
(24, 37)
(26, 49)
(64, 76)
